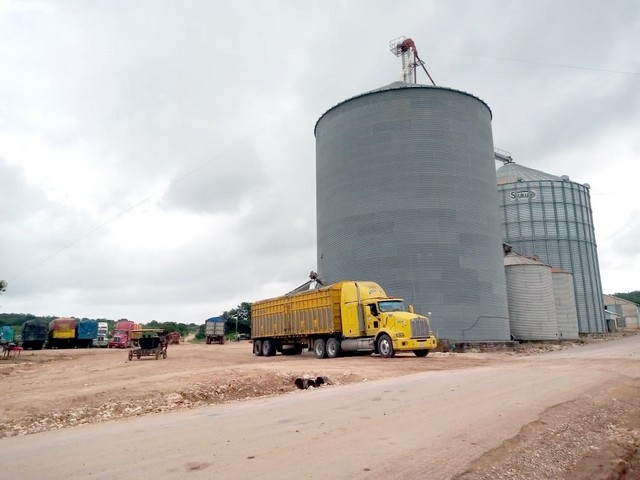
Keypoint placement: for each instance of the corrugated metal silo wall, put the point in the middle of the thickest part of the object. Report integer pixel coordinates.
(565, 301)
(553, 220)
(405, 185)
(532, 311)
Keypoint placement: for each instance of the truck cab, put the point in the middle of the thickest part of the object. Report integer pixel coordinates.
(405, 329)
(118, 342)
(368, 313)
(102, 340)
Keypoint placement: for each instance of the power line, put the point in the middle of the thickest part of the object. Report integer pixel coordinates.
(547, 64)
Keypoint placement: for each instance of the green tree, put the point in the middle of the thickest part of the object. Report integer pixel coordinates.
(17, 319)
(242, 315)
(631, 296)
(168, 327)
(200, 333)
(3, 286)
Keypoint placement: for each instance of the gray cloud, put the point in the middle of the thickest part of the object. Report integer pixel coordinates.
(157, 160)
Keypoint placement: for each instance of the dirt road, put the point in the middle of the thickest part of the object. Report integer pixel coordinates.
(49, 389)
(472, 415)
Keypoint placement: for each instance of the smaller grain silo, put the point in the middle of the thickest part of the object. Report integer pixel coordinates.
(551, 217)
(565, 301)
(532, 312)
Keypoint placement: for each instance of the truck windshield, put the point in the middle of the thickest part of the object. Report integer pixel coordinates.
(391, 306)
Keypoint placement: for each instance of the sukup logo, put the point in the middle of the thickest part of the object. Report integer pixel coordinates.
(522, 194)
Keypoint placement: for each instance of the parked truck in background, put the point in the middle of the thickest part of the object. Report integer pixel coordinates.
(214, 330)
(174, 338)
(34, 334)
(102, 339)
(345, 317)
(6, 335)
(124, 333)
(62, 332)
(119, 340)
(86, 333)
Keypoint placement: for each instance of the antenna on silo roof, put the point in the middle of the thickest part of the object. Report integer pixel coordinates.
(406, 48)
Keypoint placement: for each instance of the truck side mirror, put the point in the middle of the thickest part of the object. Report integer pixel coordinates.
(411, 309)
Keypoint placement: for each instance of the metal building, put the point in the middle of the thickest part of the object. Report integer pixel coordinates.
(628, 312)
(406, 197)
(565, 300)
(550, 217)
(532, 311)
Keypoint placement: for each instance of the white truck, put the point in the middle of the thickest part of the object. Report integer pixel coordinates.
(102, 340)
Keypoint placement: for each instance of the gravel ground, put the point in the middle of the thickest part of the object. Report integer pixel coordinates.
(597, 437)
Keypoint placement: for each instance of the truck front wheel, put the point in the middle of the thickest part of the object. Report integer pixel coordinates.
(421, 353)
(320, 348)
(257, 347)
(385, 347)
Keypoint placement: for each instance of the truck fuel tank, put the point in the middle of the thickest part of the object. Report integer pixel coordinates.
(357, 345)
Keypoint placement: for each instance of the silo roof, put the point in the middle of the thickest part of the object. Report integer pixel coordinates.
(513, 173)
(516, 259)
(400, 86)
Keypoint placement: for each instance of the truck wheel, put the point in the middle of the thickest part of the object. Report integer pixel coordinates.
(385, 347)
(130, 355)
(333, 348)
(421, 353)
(320, 348)
(268, 347)
(257, 347)
(208, 341)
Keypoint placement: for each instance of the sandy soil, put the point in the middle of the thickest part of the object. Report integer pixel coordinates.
(52, 389)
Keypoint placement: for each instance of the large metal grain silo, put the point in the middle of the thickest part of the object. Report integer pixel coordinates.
(550, 217)
(532, 312)
(565, 300)
(406, 197)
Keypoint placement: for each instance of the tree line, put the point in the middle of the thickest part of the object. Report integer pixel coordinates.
(630, 296)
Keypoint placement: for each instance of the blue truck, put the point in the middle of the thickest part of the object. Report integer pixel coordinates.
(86, 333)
(214, 330)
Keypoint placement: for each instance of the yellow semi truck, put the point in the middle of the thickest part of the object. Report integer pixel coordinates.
(342, 318)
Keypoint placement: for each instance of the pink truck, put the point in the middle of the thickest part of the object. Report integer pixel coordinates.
(124, 334)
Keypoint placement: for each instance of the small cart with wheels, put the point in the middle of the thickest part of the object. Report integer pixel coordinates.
(150, 344)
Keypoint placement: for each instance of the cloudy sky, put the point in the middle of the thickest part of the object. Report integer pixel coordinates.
(157, 157)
